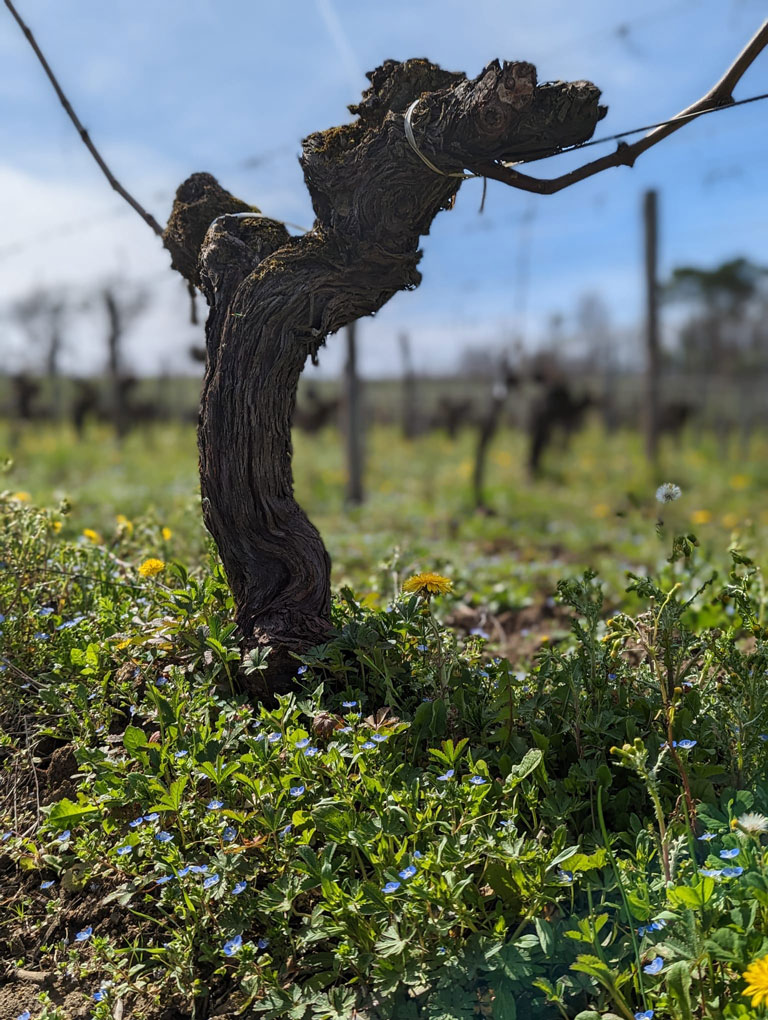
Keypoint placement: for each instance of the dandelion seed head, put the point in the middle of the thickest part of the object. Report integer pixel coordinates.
(752, 823)
(668, 492)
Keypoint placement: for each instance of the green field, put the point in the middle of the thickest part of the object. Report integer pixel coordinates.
(594, 506)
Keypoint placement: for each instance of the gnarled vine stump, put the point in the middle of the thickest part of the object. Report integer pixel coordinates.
(274, 299)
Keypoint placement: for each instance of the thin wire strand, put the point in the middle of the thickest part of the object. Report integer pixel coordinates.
(636, 131)
(546, 153)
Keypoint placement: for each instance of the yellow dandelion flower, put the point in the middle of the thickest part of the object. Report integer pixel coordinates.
(93, 536)
(427, 584)
(124, 525)
(730, 520)
(151, 567)
(56, 526)
(701, 517)
(21, 497)
(167, 534)
(756, 976)
(739, 481)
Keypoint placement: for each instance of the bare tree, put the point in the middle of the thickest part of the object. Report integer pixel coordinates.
(122, 308)
(41, 316)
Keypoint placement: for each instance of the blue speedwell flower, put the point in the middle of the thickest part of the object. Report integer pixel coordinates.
(686, 744)
(706, 836)
(213, 880)
(163, 879)
(368, 746)
(379, 738)
(153, 817)
(233, 945)
(163, 837)
(229, 834)
(711, 872)
(566, 877)
(181, 754)
(655, 966)
(296, 791)
(214, 805)
(48, 883)
(733, 872)
(100, 995)
(198, 869)
(85, 934)
(238, 888)
(348, 704)
(408, 872)
(183, 872)
(391, 887)
(262, 943)
(304, 742)
(728, 855)
(273, 738)
(136, 822)
(446, 775)
(123, 850)
(311, 752)
(477, 780)
(64, 836)
(645, 1014)
(26, 1015)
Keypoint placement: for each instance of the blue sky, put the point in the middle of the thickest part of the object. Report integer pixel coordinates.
(173, 86)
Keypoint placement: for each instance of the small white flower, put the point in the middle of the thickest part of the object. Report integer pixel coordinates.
(751, 824)
(668, 492)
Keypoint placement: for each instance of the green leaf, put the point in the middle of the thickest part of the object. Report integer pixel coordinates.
(692, 897)
(502, 882)
(530, 762)
(640, 906)
(586, 862)
(390, 943)
(67, 813)
(504, 1005)
(133, 739)
(679, 984)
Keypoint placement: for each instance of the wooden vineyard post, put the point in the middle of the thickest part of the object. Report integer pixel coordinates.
(353, 421)
(653, 358)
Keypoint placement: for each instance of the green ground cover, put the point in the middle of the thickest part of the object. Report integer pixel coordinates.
(445, 821)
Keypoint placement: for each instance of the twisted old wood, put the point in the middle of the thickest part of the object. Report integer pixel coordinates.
(274, 299)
